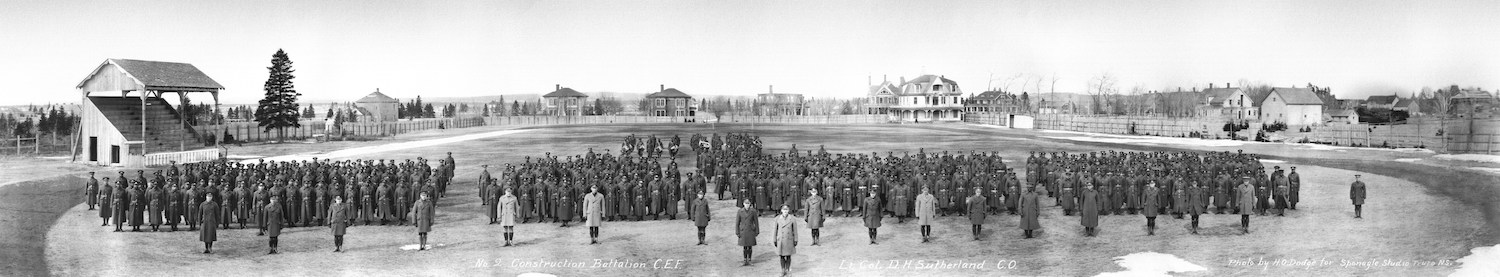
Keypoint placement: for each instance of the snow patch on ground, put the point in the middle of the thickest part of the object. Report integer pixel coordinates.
(534, 274)
(1272, 161)
(1409, 160)
(388, 147)
(1470, 157)
(1483, 261)
(413, 247)
(57, 158)
(1487, 169)
(1154, 140)
(1151, 264)
(243, 157)
(1325, 147)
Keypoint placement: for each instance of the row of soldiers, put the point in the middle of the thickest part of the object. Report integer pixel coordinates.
(633, 186)
(1185, 181)
(377, 190)
(770, 181)
(552, 188)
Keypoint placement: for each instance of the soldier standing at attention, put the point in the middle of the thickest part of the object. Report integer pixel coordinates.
(785, 238)
(210, 216)
(1089, 215)
(338, 221)
(509, 214)
(700, 215)
(1246, 197)
(872, 210)
(593, 212)
(1357, 194)
(976, 210)
(1294, 184)
(106, 201)
(91, 191)
(814, 213)
(747, 226)
(1149, 207)
(422, 213)
(274, 217)
(926, 208)
(1030, 211)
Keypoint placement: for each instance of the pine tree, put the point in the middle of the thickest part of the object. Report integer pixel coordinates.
(279, 109)
(515, 107)
(486, 110)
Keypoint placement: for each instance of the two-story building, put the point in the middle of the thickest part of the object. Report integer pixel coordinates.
(993, 101)
(377, 107)
(1229, 102)
(564, 102)
(671, 102)
(772, 103)
(928, 98)
(1293, 106)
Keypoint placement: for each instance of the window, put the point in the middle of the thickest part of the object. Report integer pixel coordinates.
(661, 102)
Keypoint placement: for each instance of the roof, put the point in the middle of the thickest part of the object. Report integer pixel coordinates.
(564, 92)
(1381, 99)
(1405, 102)
(1473, 94)
(885, 86)
(1218, 95)
(993, 94)
(363, 111)
(1343, 113)
(164, 75)
(376, 97)
(930, 79)
(1297, 96)
(669, 93)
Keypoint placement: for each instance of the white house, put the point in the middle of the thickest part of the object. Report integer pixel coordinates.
(1293, 106)
(928, 98)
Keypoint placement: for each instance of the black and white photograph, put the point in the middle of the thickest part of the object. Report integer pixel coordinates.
(750, 138)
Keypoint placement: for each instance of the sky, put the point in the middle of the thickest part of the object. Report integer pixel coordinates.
(343, 50)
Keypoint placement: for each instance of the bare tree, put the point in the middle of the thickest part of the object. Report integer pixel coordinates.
(1100, 88)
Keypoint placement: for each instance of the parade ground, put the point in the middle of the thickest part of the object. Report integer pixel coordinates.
(1426, 214)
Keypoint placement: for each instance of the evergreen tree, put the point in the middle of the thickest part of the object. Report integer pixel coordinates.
(427, 111)
(279, 109)
(515, 107)
(23, 129)
(486, 110)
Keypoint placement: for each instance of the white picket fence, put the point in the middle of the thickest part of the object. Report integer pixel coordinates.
(166, 158)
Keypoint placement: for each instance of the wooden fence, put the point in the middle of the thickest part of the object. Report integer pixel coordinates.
(1480, 136)
(166, 158)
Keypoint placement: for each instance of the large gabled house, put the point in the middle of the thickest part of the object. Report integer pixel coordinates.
(928, 98)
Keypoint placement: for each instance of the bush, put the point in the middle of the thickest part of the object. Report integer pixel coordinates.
(1274, 127)
(1260, 135)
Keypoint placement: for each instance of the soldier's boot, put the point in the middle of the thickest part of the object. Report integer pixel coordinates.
(1195, 224)
(1028, 234)
(422, 244)
(338, 243)
(174, 227)
(273, 246)
(106, 223)
(814, 237)
(154, 228)
(509, 236)
(1357, 210)
(872, 236)
(593, 235)
(747, 256)
(1245, 223)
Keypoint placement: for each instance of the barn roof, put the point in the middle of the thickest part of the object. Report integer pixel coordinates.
(377, 97)
(1297, 96)
(1381, 99)
(157, 75)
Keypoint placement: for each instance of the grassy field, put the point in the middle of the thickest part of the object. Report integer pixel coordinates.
(1415, 214)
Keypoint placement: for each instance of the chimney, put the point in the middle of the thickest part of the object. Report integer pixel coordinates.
(556, 86)
(884, 79)
(770, 89)
(663, 87)
(1210, 85)
(1226, 85)
(903, 79)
